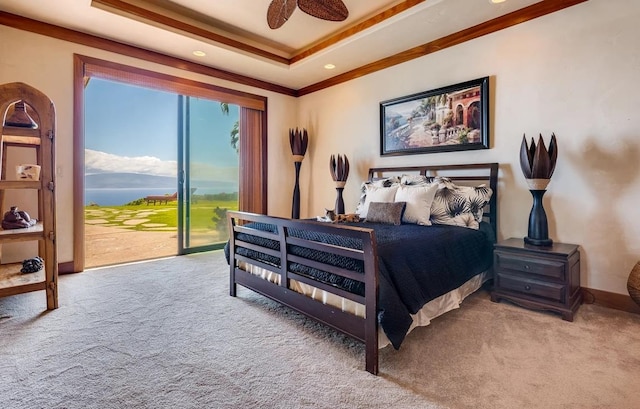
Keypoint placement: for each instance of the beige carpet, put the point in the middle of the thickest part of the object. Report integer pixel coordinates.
(165, 334)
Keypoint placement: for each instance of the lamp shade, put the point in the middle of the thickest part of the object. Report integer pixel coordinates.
(339, 167)
(298, 139)
(535, 160)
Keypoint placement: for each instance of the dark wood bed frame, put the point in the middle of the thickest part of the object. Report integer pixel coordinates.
(362, 329)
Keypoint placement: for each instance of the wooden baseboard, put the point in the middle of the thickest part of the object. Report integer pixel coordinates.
(66, 268)
(622, 302)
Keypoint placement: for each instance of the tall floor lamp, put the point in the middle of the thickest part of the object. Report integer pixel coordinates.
(298, 139)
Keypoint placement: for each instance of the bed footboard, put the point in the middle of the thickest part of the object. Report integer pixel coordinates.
(281, 248)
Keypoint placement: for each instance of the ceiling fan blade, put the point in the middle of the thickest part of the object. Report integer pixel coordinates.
(332, 10)
(279, 12)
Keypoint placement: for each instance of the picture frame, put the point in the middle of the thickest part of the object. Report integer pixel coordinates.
(451, 118)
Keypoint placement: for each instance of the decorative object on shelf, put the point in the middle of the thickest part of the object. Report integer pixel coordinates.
(28, 172)
(17, 219)
(537, 165)
(633, 283)
(32, 265)
(20, 117)
(339, 167)
(298, 139)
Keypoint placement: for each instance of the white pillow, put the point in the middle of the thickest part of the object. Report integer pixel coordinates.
(419, 200)
(377, 194)
(383, 182)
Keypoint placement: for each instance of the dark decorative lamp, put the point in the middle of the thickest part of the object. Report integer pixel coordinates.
(538, 165)
(298, 139)
(339, 168)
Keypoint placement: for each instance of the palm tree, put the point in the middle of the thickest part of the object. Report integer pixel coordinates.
(235, 131)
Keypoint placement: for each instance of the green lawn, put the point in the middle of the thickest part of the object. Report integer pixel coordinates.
(160, 216)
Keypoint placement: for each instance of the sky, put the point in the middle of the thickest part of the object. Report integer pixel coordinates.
(134, 129)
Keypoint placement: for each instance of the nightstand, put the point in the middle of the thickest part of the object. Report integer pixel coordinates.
(541, 278)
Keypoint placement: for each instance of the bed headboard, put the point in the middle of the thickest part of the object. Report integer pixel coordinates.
(466, 174)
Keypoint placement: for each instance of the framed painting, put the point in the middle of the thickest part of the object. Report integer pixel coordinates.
(452, 118)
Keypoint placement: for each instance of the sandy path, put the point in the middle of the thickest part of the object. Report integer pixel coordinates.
(113, 245)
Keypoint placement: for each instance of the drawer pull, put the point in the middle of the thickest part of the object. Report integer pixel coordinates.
(527, 287)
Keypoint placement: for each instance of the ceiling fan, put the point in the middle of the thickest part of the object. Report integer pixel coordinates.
(279, 11)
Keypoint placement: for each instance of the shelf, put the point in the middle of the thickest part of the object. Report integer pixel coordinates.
(34, 232)
(13, 282)
(24, 142)
(19, 131)
(20, 184)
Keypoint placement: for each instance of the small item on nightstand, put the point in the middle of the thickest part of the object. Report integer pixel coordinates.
(17, 219)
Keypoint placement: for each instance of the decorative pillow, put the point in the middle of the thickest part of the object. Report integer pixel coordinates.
(419, 199)
(382, 182)
(416, 180)
(452, 201)
(375, 193)
(383, 212)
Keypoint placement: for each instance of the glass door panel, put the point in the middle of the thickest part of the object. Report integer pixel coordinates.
(209, 172)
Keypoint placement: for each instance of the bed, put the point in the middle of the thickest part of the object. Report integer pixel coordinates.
(373, 281)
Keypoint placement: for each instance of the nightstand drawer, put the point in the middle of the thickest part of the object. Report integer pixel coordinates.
(530, 265)
(551, 291)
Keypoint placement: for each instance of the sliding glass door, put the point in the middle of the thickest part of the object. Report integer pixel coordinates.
(208, 172)
(215, 140)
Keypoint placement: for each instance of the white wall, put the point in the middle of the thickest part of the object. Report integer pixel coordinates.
(47, 64)
(574, 72)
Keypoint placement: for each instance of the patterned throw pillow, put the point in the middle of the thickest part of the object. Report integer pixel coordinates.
(389, 213)
(419, 199)
(459, 205)
(416, 180)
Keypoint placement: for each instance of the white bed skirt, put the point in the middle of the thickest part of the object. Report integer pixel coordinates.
(422, 318)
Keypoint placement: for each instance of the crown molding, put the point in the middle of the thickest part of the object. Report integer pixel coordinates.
(517, 17)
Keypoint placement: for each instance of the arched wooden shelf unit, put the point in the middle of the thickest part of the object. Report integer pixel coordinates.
(19, 140)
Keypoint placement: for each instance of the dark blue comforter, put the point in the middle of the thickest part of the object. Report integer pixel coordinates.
(417, 264)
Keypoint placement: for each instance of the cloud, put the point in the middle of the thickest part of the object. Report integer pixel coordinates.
(102, 162)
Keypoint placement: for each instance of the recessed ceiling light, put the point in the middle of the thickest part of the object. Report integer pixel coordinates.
(329, 66)
(199, 53)
(498, 1)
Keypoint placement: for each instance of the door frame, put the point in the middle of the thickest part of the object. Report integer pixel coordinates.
(254, 175)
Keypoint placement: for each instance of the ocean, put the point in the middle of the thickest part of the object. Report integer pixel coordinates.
(119, 197)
